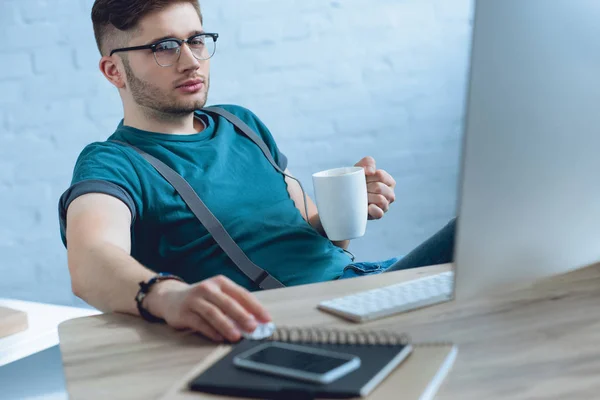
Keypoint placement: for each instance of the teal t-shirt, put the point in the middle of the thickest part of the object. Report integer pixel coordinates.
(235, 181)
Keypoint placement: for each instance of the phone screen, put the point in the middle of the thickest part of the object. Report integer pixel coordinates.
(299, 360)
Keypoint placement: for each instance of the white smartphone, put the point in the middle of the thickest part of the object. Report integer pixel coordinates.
(298, 362)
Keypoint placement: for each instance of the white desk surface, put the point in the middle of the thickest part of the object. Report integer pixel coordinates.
(42, 332)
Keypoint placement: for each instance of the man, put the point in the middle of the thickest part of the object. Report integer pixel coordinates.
(122, 222)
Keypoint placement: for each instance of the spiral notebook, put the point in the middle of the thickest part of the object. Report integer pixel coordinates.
(381, 354)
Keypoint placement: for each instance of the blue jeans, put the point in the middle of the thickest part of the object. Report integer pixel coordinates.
(438, 249)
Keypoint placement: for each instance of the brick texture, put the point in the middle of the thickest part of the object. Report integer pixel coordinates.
(334, 80)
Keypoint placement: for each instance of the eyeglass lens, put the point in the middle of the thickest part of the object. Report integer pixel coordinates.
(167, 52)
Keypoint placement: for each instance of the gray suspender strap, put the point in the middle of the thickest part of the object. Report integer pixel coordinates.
(246, 130)
(249, 132)
(259, 276)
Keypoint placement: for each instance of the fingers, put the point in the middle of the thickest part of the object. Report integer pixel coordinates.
(383, 177)
(218, 321)
(246, 300)
(379, 201)
(199, 324)
(232, 309)
(226, 307)
(378, 188)
(375, 212)
(368, 163)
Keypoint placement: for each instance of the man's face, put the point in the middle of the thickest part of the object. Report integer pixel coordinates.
(167, 89)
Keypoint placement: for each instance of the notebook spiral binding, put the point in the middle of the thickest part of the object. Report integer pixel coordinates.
(315, 335)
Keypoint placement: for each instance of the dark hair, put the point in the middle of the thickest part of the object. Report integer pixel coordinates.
(124, 15)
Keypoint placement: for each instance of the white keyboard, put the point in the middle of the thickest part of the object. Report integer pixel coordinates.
(388, 300)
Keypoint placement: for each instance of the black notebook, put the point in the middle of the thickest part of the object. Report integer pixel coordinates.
(380, 353)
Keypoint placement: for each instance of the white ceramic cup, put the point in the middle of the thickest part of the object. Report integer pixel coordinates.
(342, 202)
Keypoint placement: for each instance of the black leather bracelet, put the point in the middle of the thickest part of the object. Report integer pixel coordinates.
(145, 289)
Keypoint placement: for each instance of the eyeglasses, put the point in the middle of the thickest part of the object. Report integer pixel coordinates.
(167, 51)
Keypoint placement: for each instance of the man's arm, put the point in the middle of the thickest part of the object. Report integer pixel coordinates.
(296, 195)
(104, 274)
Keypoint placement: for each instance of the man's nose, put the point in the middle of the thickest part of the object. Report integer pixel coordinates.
(186, 59)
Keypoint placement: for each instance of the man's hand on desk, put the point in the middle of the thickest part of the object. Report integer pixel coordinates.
(215, 307)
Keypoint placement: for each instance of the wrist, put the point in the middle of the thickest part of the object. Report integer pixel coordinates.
(155, 300)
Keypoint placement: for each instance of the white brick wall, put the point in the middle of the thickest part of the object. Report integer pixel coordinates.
(334, 80)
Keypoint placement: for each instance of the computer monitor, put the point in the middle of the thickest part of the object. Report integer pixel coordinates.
(529, 187)
(529, 192)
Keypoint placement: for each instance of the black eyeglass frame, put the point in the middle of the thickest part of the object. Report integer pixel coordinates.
(153, 46)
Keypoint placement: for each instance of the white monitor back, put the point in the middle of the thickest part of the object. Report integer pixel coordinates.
(529, 197)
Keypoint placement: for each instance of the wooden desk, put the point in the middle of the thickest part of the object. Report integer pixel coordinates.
(12, 321)
(542, 342)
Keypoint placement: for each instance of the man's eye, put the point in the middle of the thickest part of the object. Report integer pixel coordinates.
(199, 41)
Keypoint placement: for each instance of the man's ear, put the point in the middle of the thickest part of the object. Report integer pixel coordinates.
(112, 72)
